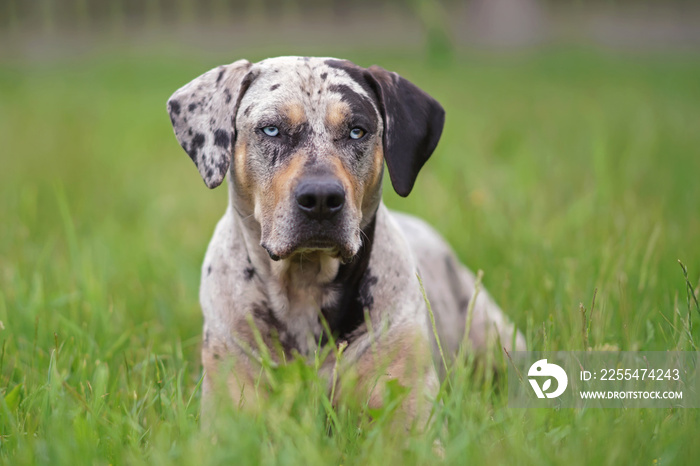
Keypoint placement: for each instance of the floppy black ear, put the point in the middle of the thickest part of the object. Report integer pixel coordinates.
(413, 124)
(203, 116)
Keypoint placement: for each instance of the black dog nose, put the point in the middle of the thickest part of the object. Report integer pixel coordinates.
(320, 199)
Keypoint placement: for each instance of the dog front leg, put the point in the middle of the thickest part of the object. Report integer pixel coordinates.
(230, 377)
(401, 356)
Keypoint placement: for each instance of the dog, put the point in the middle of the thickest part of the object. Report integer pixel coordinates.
(307, 255)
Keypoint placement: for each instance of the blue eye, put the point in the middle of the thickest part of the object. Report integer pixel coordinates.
(271, 131)
(357, 133)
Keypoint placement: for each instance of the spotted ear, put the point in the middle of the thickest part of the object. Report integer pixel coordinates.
(203, 116)
(413, 124)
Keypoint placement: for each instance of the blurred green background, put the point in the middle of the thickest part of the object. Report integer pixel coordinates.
(569, 163)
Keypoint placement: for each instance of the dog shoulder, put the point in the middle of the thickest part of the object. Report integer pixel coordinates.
(227, 273)
(395, 269)
(421, 237)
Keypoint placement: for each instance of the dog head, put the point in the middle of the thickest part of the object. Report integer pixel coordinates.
(308, 138)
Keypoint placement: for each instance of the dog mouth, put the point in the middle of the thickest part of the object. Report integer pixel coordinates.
(318, 244)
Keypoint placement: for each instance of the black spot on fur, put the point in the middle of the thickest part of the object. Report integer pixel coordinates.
(263, 314)
(324, 75)
(463, 305)
(221, 75)
(227, 95)
(274, 86)
(198, 141)
(248, 273)
(456, 288)
(209, 270)
(174, 107)
(191, 107)
(246, 112)
(221, 138)
(222, 165)
(191, 152)
(366, 284)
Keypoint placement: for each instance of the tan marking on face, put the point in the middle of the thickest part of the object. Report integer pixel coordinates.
(281, 185)
(294, 113)
(240, 171)
(350, 183)
(377, 166)
(374, 179)
(336, 113)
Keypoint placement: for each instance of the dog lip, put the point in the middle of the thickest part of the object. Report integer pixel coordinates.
(272, 255)
(330, 246)
(318, 243)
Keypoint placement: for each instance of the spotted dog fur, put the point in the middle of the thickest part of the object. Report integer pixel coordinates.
(269, 266)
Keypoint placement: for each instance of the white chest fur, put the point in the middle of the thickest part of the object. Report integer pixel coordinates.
(301, 289)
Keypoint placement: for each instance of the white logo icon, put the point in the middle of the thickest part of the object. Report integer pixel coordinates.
(542, 369)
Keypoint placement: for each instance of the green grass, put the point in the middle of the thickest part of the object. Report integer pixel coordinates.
(558, 174)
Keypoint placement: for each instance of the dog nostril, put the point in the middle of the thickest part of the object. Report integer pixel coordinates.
(320, 199)
(307, 201)
(334, 201)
